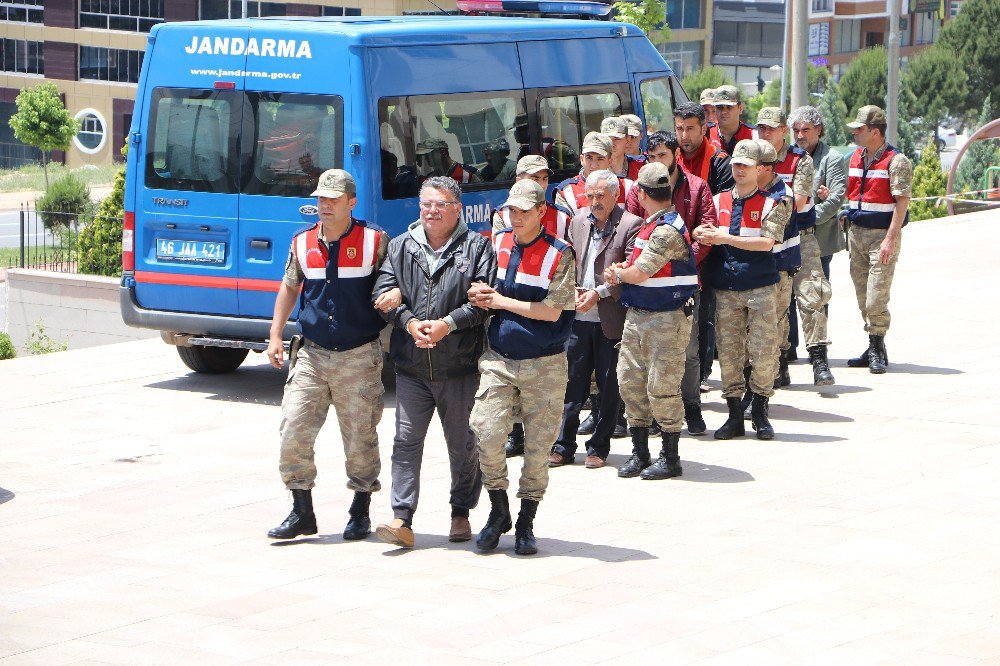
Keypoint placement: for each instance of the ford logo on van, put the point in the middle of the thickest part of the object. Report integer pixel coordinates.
(309, 209)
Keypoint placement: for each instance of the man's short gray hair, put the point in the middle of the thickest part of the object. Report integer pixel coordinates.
(445, 184)
(806, 114)
(604, 178)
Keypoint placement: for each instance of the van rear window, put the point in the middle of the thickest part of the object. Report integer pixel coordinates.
(194, 141)
(297, 138)
(474, 138)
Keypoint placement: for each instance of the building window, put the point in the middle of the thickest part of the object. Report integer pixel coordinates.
(954, 8)
(22, 11)
(341, 11)
(749, 40)
(683, 14)
(101, 64)
(819, 39)
(128, 15)
(904, 31)
(822, 6)
(848, 37)
(683, 57)
(227, 9)
(22, 56)
(925, 28)
(93, 132)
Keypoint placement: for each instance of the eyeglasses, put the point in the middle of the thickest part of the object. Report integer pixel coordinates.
(432, 205)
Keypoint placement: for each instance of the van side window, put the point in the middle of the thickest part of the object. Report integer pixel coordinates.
(474, 138)
(194, 141)
(565, 120)
(297, 137)
(656, 104)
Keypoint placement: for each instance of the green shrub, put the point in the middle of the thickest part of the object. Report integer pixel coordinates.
(101, 240)
(40, 343)
(66, 199)
(6, 347)
(928, 181)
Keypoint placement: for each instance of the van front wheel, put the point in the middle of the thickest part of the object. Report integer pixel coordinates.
(212, 360)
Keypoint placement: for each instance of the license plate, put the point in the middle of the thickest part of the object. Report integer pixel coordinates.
(202, 252)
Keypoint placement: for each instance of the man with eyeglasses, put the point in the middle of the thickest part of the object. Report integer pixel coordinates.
(597, 150)
(433, 159)
(437, 339)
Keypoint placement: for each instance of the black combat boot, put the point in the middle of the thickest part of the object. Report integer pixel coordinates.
(621, 425)
(654, 430)
(301, 521)
(640, 454)
(733, 427)
(821, 367)
(524, 536)
(878, 359)
(783, 379)
(497, 523)
(692, 416)
(861, 361)
(747, 393)
(360, 525)
(515, 442)
(758, 418)
(588, 424)
(668, 465)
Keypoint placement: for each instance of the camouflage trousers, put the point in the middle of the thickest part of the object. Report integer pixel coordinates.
(812, 291)
(872, 279)
(351, 381)
(746, 323)
(651, 367)
(535, 389)
(783, 301)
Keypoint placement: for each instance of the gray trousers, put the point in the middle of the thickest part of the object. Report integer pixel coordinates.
(691, 383)
(416, 400)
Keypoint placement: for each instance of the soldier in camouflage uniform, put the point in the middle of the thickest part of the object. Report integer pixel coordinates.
(741, 267)
(878, 194)
(658, 283)
(331, 270)
(533, 301)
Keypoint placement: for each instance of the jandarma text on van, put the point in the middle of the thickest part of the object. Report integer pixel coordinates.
(239, 72)
(274, 48)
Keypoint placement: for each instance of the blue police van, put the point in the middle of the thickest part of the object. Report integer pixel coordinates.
(235, 120)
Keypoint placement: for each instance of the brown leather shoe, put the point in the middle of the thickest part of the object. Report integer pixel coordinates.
(593, 462)
(395, 533)
(461, 530)
(558, 460)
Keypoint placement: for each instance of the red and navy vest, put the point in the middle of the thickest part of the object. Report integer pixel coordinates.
(805, 218)
(555, 220)
(632, 166)
(671, 286)
(743, 132)
(575, 194)
(732, 268)
(787, 253)
(335, 309)
(868, 192)
(461, 173)
(525, 272)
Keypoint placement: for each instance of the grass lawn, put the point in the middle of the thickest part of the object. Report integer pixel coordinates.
(31, 177)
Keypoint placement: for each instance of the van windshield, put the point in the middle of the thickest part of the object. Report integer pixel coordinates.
(194, 142)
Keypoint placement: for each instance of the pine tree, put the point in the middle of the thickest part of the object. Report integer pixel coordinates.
(928, 181)
(834, 116)
(101, 241)
(979, 156)
(709, 77)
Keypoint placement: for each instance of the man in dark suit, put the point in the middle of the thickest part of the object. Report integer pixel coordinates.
(601, 234)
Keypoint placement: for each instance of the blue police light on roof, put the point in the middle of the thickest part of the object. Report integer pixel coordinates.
(515, 6)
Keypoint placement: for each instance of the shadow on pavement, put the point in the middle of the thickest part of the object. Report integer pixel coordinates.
(693, 471)
(259, 385)
(5, 495)
(909, 368)
(782, 412)
(793, 437)
(832, 391)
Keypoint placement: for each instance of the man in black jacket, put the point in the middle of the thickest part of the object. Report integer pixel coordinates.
(437, 339)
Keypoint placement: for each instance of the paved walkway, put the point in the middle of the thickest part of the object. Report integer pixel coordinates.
(867, 532)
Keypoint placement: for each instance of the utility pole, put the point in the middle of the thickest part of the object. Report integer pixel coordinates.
(892, 96)
(244, 8)
(784, 53)
(800, 51)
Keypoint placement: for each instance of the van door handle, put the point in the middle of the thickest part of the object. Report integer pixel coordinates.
(260, 244)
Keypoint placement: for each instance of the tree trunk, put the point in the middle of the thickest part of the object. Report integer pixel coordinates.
(45, 171)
